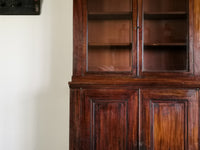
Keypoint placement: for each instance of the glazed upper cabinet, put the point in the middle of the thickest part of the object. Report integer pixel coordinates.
(134, 37)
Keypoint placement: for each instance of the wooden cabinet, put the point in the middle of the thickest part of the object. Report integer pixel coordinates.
(136, 75)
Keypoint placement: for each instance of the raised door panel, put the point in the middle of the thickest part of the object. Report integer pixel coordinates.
(109, 126)
(108, 120)
(169, 120)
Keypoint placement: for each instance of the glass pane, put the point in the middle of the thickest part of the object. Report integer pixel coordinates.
(162, 59)
(165, 36)
(164, 5)
(165, 31)
(109, 32)
(109, 36)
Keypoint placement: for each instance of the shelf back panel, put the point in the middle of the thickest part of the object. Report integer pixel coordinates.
(109, 60)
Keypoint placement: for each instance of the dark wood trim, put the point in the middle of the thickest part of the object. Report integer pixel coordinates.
(75, 114)
(110, 16)
(77, 37)
(110, 45)
(111, 81)
(134, 37)
(140, 36)
(191, 36)
(85, 39)
(196, 29)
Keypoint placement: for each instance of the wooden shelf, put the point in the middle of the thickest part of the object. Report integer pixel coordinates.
(110, 45)
(165, 45)
(165, 15)
(109, 68)
(109, 16)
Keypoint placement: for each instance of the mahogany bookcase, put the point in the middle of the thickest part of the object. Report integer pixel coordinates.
(136, 68)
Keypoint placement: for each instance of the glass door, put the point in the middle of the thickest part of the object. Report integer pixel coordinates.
(165, 36)
(110, 36)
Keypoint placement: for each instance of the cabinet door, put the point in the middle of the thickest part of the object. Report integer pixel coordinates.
(169, 120)
(105, 35)
(111, 45)
(166, 45)
(108, 120)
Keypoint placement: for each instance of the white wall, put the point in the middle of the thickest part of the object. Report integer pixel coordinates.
(35, 67)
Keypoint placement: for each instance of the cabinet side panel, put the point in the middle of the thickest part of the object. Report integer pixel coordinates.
(75, 114)
(197, 37)
(77, 36)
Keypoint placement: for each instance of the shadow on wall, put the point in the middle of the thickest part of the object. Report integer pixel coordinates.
(53, 102)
